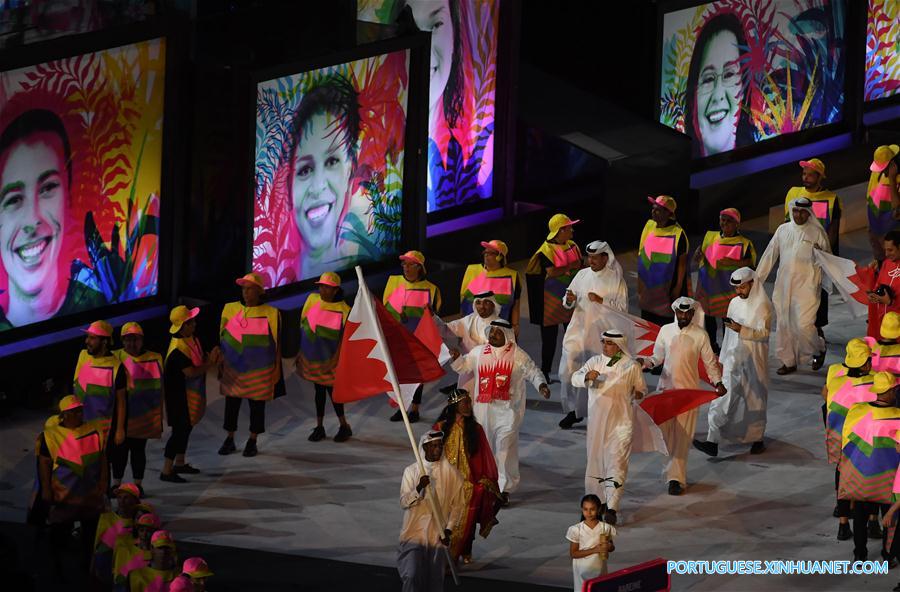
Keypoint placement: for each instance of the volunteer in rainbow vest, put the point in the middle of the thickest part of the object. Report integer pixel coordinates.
(144, 395)
(406, 297)
(549, 273)
(134, 552)
(886, 294)
(721, 253)
(249, 339)
(100, 383)
(110, 527)
(73, 477)
(184, 375)
(797, 292)
(196, 570)
(845, 385)
(869, 460)
(826, 208)
(162, 568)
(886, 350)
(501, 369)
(321, 329)
(662, 262)
(595, 289)
(883, 197)
(492, 275)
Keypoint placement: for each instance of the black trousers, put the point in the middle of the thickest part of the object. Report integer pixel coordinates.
(549, 335)
(822, 311)
(712, 329)
(322, 391)
(178, 440)
(861, 512)
(60, 533)
(257, 415)
(843, 505)
(118, 456)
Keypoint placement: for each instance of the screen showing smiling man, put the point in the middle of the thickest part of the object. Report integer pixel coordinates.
(35, 176)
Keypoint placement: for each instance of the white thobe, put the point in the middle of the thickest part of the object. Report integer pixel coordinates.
(680, 351)
(420, 560)
(797, 289)
(583, 335)
(740, 416)
(470, 329)
(501, 419)
(610, 426)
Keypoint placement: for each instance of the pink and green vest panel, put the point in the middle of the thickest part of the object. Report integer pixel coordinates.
(657, 266)
(407, 301)
(321, 328)
(843, 393)
(879, 207)
(95, 386)
(869, 459)
(554, 288)
(144, 394)
(248, 337)
(77, 455)
(714, 289)
(478, 280)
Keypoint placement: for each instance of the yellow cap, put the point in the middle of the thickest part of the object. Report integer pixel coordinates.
(890, 326)
(329, 278)
(69, 402)
(883, 157)
(180, 315)
(884, 381)
(814, 164)
(131, 328)
(858, 353)
(558, 222)
(100, 329)
(496, 245)
(414, 257)
(251, 279)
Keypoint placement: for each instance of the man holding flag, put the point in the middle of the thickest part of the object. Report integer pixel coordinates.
(501, 369)
(679, 348)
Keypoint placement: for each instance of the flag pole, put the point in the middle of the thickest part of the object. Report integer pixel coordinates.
(436, 513)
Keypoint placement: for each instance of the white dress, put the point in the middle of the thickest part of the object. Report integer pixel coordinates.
(589, 320)
(501, 419)
(610, 426)
(680, 351)
(740, 416)
(586, 568)
(797, 289)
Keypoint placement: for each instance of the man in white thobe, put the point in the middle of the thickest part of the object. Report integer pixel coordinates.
(797, 287)
(592, 289)
(469, 331)
(679, 348)
(421, 558)
(740, 416)
(501, 369)
(613, 380)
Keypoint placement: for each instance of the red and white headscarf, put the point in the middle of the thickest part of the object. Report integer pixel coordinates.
(496, 365)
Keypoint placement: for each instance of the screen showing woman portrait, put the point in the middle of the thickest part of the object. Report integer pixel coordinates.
(461, 92)
(329, 168)
(737, 72)
(80, 168)
(882, 57)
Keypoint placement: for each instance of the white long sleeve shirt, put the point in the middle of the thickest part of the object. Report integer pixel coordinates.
(679, 351)
(418, 524)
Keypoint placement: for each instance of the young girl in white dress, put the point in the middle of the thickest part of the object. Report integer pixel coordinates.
(590, 542)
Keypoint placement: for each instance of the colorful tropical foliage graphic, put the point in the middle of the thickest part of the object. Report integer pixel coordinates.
(370, 231)
(460, 156)
(110, 104)
(882, 49)
(791, 63)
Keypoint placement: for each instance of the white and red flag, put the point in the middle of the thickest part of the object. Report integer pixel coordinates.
(377, 352)
(852, 281)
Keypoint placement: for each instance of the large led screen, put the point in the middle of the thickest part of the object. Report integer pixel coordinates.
(329, 168)
(737, 72)
(80, 168)
(882, 49)
(461, 92)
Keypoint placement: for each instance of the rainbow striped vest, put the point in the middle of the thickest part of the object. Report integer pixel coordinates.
(248, 337)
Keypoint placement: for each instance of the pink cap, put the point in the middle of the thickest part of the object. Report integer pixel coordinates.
(181, 584)
(128, 488)
(731, 213)
(196, 567)
(100, 329)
